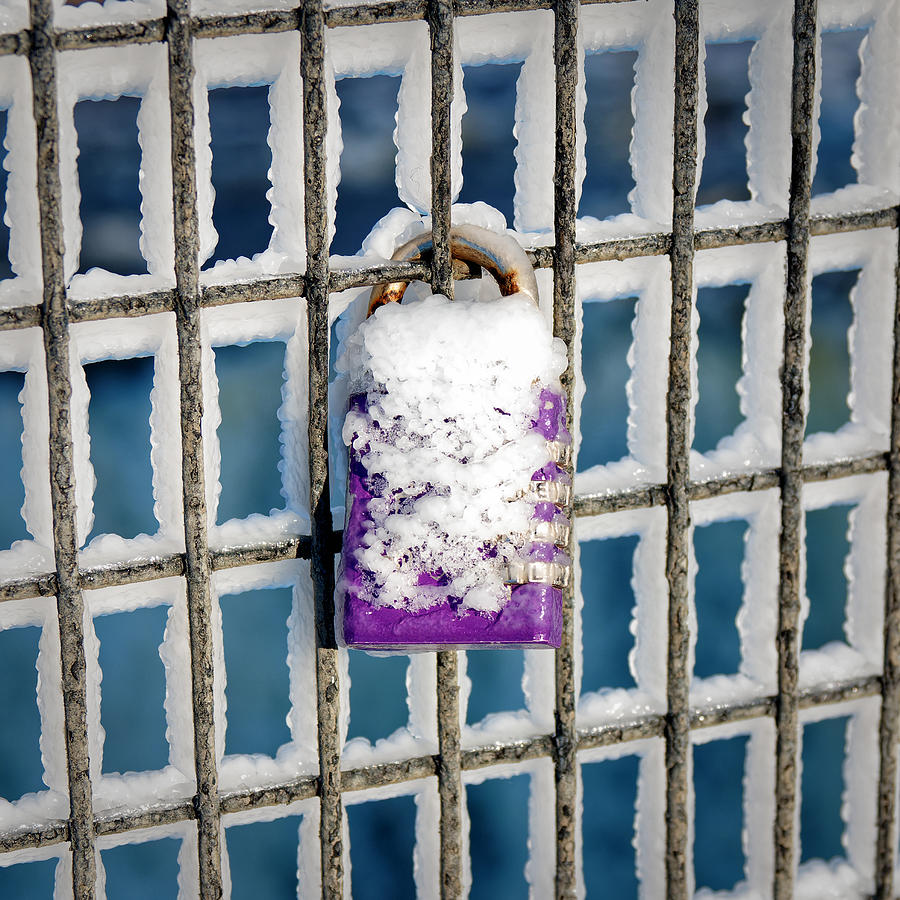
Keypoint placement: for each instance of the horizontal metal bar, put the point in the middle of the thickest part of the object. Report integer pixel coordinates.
(283, 286)
(298, 547)
(270, 21)
(654, 494)
(122, 306)
(409, 10)
(304, 788)
(17, 43)
(25, 588)
(118, 34)
(854, 221)
(277, 288)
(263, 22)
(171, 565)
(14, 317)
(385, 774)
(115, 822)
(44, 835)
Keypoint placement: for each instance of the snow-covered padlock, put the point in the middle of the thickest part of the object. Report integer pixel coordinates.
(459, 454)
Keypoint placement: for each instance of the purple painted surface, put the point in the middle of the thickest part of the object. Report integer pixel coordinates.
(531, 617)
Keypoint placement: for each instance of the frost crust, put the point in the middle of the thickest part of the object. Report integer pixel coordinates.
(447, 441)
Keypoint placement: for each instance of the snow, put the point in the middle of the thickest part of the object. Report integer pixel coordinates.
(452, 390)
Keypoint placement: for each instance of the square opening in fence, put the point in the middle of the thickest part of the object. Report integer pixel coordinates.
(488, 141)
(250, 396)
(719, 368)
(263, 858)
(131, 665)
(718, 595)
(21, 770)
(382, 839)
(498, 836)
(496, 677)
(606, 340)
(145, 871)
(378, 696)
(831, 316)
(367, 189)
(840, 67)
(109, 162)
(724, 173)
(119, 423)
(5, 267)
(28, 881)
(257, 679)
(608, 125)
(827, 548)
(241, 160)
(608, 612)
(822, 787)
(719, 813)
(12, 490)
(609, 800)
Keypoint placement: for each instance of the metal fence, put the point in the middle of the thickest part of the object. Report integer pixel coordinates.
(41, 42)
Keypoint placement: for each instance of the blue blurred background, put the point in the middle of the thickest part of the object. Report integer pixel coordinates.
(263, 856)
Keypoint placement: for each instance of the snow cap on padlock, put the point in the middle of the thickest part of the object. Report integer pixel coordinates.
(455, 429)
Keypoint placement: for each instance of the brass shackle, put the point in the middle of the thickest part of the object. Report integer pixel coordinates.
(470, 246)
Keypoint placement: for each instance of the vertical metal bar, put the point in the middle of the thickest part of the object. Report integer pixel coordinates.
(889, 726)
(565, 57)
(449, 774)
(440, 26)
(70, 601)
(792, 430)
(678, 745)
(187, 319)
(331, 820)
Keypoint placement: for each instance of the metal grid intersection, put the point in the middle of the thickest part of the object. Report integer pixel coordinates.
(180, 30)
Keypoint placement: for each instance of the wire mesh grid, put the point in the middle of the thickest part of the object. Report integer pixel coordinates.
(56, 323)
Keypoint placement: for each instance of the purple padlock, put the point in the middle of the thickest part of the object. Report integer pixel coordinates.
(418, 569)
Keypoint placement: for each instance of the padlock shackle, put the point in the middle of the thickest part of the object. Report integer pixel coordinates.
(470, 245)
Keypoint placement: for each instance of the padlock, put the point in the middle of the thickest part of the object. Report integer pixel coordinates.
(459, 481)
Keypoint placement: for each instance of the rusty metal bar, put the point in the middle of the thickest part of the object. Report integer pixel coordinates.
(889, 726)
(678, 446)
(267, 21)
(792, 431)
(439, 15)
(440, 29)
(565, 212)
(649, 495)
(402, 771)
(171, 565)
(284, 286)
(448, 770)
(315, 126)
(299, 546)
(69, 598)
(196, 558)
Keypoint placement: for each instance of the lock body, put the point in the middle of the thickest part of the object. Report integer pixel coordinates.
(530, 617)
